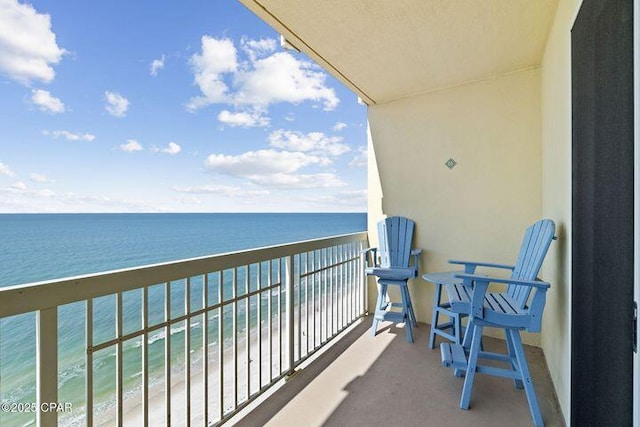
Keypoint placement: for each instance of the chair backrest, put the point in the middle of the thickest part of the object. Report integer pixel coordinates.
(394, 241)
(535, 244)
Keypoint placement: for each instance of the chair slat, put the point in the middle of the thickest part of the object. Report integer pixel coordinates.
(533, 250)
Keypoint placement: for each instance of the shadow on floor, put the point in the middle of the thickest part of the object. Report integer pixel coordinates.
(384, 381)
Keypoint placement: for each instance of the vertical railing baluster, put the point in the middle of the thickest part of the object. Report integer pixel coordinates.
(280, 328)
(299, 306)
(235, 336)
(270, 313)
(323, 277)
(349, 282)
(167, 351)
(247, 328)
(335, 272)
(289, 284)
(343, 290)
(306, 298)
(88, 333)
(145, 357)
(353, 266)
(205, 350)
(353, 280)
(259, 314)
(313, 296)
(119, 362)
(47, 364)
(333, 286)
(220, 344)
(362, 280)
(187, 351)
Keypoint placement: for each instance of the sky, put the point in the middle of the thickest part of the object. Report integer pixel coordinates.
(172, 106)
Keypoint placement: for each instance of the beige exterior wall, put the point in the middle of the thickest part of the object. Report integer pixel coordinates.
(511, 136)
(478, 210)
(556, 201)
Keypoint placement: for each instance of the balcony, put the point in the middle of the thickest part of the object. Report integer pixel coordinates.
(209, 340)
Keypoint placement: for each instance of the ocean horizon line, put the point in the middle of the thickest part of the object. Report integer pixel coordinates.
(190, 213)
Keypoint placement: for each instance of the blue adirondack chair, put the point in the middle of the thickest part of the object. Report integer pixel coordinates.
(457, 306)
(390, 263)
(513, 311)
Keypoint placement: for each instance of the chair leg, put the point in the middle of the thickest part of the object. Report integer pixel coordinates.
(435, 315)
(382, 293)
(457, 328)
(409, 305)
(526, 378)
(466, 344)
(471, 367)
(406, 311)
(514, 365)
(468, 335)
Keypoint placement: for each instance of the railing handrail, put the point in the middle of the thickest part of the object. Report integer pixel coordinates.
(25, 298)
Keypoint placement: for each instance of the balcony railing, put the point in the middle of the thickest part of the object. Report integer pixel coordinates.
(181, 343)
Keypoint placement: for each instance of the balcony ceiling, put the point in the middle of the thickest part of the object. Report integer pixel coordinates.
(391, 49)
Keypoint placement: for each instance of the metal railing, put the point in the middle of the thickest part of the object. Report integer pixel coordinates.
(181, 343)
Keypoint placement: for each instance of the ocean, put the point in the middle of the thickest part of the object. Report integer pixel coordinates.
(37, 247)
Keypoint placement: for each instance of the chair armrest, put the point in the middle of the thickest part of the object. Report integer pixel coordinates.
(370, 261)
(481, 283)
(467, 280)
(392, 273)
(470, 266)
(415, 253)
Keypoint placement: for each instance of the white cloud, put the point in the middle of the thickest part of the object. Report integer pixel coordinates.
(19, 185)
(360, 159)
(218, 56)
(243, 119)
(70, 136)
(261, 162)
(172, 149)
(46, 102)
(28, 47)
(37, 177)
(257, 48)
(117, 105)
(271, 168)
(224, 190)
(282, 78)
(267, 78)
(6, 170)
(356, 199)
(298, 181)
(131, 146)
(19, 198)
(339, 126)
(157, 65)
(190, 201)
(313, 142)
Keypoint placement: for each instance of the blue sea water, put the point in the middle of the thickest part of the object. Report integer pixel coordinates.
(37, 247)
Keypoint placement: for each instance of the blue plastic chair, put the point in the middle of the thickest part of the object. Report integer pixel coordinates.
(514, 310)
(390, 263)
(535, 243)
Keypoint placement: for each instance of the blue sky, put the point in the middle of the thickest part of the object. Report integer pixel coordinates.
(139, 106)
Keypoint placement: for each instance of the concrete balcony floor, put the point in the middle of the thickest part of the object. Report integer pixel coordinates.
(363, 380)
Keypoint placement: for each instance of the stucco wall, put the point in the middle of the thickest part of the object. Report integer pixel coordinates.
(556, 201)
(478, 210)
